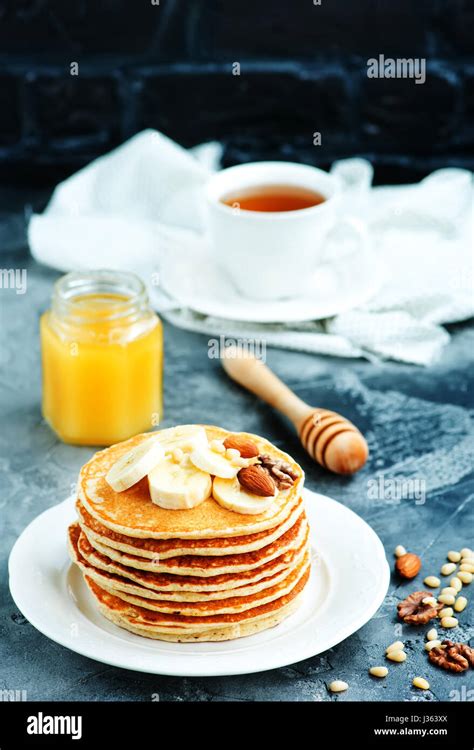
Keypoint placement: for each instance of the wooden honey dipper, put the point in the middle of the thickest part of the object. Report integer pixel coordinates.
(329, 438)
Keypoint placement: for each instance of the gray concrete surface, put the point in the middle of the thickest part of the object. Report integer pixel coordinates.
(419, 424)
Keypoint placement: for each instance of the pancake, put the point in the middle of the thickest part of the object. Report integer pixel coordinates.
(114, 582)
(158, 624)
(226, 633)
(196, 565)
(161, 549)
(202, 573)
(132, 512)
(176, 586)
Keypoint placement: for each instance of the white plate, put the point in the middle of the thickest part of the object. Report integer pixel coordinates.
(190, 276)
(348, 583)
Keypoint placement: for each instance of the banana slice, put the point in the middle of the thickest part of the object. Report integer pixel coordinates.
(230, 494)
(212, 462)
(186, 437)
(178, 486)
(135, 464)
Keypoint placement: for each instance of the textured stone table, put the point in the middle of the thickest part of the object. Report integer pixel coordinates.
(419, 426)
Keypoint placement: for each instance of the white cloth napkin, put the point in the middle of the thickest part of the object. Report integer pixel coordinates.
(126, 208)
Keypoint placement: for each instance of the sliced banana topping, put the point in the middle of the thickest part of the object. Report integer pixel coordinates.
(184, 437)
(178, 486)
(206, 459)
(135, 464)
(230, 494)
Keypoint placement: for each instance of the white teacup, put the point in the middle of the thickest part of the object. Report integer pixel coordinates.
(273, 255)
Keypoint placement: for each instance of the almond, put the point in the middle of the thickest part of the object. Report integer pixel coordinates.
(246, 447)
(408, 565)
(257, 481)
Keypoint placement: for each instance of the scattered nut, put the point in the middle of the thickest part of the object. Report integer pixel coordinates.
(449, 590)
(378, 671)
(466, 552)
(408, 565)
(455, 583)
(399, 551)
(453, 656)
(397, 646)
(432, 644)
(245, 447)
(432, 634)
(454, 556)
(432, 582)
(413, 611)
(449, 622)
(398, 656)
(448, 568)
(446, 599)
(465, 576)
(430, 600)
(460, 603)
(446, 612)
(338, 686)
(421, 683)
(467, 567)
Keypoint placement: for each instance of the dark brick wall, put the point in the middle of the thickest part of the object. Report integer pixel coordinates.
(169, 66)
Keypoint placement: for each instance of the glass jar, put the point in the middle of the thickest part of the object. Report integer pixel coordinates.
(102, 357)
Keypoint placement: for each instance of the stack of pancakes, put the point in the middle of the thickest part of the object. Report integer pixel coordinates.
(200, 574)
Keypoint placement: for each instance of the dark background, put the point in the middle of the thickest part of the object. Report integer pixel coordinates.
(169, 66)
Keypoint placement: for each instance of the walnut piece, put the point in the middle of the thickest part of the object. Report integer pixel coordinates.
(280, 471)
(413, 611)
(456, 657)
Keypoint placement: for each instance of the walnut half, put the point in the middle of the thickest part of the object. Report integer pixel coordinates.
(456, 657)
(280, 471)
(413, 611)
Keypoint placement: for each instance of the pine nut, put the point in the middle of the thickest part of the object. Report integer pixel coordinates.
(460, 603)
(378, 671)
(445, 612)
(432, 582)
(232, 453)
(396, 646)
(421, 683)
(396, 655)
(454, 556)
(241, 462)
(449, 622)
(467, 567)
(399, 550)
(432, 634)
(448, 568)
(449, 590)
(217, 446)
(178, 455)
(338, 686)
(446, 599)
(465, 576)
(455, 583)
(429, 600)
(432, 644)
(466, 552)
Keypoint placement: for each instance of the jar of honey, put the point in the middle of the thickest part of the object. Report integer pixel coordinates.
(102, 357)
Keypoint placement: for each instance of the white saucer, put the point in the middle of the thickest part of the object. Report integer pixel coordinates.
(190, 276)
(348, 583)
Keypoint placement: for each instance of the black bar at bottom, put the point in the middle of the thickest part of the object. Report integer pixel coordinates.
(75, 724)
